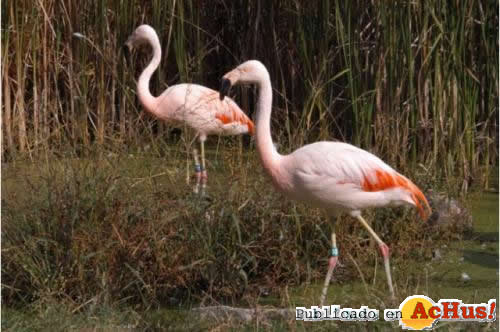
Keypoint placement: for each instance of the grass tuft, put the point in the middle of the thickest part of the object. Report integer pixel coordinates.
(127, 230)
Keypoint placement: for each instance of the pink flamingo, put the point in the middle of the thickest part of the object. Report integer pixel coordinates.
(337, 177)
(192, 106)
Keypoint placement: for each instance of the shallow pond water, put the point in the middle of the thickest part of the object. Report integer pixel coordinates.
(467, 269)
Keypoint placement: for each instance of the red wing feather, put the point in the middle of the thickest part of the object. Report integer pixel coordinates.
(385, 180)
(234, 114)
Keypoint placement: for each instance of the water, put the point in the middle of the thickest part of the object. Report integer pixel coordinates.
(476, 257)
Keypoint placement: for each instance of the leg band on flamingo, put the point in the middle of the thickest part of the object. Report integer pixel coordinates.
(333, 252)
(197, 168)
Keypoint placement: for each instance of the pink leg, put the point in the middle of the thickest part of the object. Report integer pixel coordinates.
(197, 170)
(384, 250)
(332, 262)
(204, 179)
(204, 175)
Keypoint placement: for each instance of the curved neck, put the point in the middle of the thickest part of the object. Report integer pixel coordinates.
(147, 100)
(267, 152)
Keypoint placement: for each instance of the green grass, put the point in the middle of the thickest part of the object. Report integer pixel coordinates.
(121, 240)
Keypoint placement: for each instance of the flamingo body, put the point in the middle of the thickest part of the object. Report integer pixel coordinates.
(340, 177)
(199, 108)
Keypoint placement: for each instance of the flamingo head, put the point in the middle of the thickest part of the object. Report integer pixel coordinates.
(142, 35)
(249, 72)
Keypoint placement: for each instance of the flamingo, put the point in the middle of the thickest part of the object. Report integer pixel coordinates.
(337, 177)
(195, 107)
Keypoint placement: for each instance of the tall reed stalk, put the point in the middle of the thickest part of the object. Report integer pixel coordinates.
(415, 82)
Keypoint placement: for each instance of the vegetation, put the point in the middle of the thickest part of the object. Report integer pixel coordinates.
(122, 240)
(415, 82)
(95, 210)
(99, 231)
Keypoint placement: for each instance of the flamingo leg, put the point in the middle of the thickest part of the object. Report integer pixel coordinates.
(188, 142)
(187, 171)
(384, 250)
(197, 170)
(204, 176)
(332, 261)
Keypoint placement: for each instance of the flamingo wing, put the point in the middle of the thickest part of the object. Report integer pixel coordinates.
(230, 114)
(201, 109)
(348, 177)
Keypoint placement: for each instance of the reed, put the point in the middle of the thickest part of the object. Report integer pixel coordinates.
(415, 82)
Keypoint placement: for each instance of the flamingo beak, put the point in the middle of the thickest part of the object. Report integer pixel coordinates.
(129, 45)
(126, 52)
(127, 49)
(225, 87)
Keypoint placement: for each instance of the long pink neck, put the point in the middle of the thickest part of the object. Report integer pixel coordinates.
(147, 100)
(267, 152)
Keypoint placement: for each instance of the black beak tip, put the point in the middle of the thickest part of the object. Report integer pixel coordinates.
(224, 88)
(125, 50)
(126, 53)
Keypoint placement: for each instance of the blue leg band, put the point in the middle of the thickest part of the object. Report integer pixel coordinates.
(333, 252)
